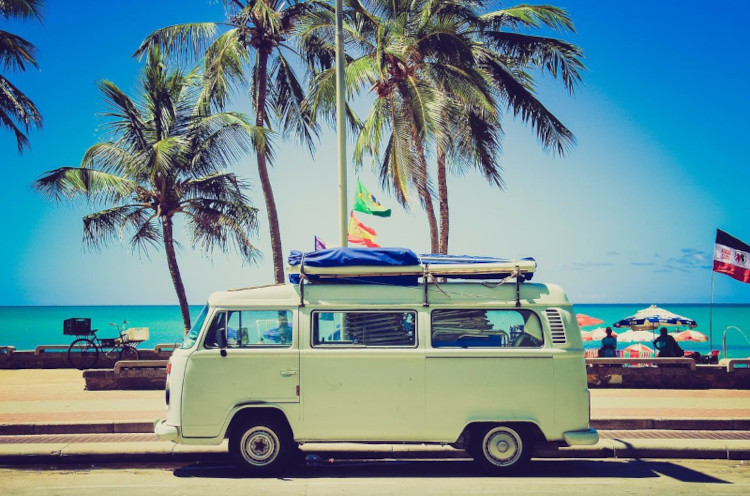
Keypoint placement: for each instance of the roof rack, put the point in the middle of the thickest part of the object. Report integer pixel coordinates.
(401, 266)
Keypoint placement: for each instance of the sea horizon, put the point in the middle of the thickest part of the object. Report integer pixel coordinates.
(28, 326)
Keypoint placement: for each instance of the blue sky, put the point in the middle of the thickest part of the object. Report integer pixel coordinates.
(629, 216)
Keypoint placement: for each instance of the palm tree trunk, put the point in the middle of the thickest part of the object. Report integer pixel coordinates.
(174, 271)
(265, 181)
(443, 197)
(427, 201)
(422, 176)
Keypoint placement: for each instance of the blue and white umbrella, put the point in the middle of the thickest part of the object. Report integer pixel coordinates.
(653, 317)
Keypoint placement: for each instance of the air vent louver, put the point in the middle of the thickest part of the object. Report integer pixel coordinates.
(556, 326)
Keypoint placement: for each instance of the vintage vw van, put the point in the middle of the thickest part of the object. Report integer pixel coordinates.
(387, 351)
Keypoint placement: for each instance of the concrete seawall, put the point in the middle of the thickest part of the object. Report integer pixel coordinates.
(667, 377)
(58, 358)
(646, 376)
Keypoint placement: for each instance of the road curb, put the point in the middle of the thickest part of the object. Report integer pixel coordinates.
(130, 427)
(330, 457)
(76, 428)
(697, 424)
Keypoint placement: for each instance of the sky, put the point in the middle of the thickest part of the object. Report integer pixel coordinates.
(629, 216)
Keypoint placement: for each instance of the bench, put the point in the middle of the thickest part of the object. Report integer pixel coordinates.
(732, 363)
(688, 362)
(139, 364)
(166, 347)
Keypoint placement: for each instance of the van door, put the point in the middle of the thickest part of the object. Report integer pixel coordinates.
(362, 378)
(261, 366)
(487, 365)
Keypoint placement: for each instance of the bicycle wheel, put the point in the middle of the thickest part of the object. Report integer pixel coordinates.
(83, 354)
(128, 353)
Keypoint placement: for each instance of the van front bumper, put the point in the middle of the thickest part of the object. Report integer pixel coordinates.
(165, 432)
(579, 438)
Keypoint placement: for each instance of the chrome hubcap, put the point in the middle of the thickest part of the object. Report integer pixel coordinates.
(502, 446)
(260, 446)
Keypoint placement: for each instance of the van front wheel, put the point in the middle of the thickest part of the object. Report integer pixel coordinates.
(260, 446)
(501, 449)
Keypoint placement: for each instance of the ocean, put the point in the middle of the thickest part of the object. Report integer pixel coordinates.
(25, 327)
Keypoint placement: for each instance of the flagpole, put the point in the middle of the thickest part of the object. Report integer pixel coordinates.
(711, 316)
(341, 123)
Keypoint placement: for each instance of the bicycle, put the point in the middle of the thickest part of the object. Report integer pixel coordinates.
(83, 352)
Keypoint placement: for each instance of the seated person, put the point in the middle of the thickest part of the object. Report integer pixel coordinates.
(666, 345)
(609, 345)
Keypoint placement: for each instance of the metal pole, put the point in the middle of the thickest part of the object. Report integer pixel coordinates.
(711, 316)
(341, 124)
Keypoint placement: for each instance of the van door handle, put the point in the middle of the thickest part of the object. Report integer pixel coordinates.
(288, 373)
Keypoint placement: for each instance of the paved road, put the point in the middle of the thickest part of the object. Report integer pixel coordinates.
(434, 478)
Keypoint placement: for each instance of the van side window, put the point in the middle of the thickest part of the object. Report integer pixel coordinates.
(364, 328)
(250, 328)
(478, 328)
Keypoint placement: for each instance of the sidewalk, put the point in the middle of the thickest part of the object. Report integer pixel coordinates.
(46, 415)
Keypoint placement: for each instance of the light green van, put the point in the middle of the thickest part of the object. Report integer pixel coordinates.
(492, 368)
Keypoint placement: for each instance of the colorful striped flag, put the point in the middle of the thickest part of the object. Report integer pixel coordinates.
(360, 234)
(732, 257)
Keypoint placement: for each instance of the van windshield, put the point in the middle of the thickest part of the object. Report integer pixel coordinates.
(192, 336)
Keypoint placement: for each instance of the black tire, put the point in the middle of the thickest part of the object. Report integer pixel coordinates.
(261, 446)
(128, 353)
(83, 354)
(501, 449)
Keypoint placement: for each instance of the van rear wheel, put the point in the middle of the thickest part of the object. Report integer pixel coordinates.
(260, 446)
(501, 449)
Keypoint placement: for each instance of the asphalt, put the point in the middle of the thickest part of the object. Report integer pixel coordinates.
(47, 416)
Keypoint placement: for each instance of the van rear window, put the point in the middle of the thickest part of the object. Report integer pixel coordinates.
(375, 329)
(484, 328)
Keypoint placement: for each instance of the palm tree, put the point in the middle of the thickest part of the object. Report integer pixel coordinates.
(17, 112)
(441, 73)
(506, 57)
(164, 156)
(401, 50)
(259, 29)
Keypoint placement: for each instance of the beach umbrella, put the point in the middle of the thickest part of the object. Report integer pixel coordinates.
(690, 335)
(654, 317)
(596, 335)
(638, 348)
(631, 336)
(586, 320)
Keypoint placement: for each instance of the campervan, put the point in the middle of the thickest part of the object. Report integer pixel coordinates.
(383, 346)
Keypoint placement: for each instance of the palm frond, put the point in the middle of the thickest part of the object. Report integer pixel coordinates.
(224, 225)
(21, 9)
(557, 57)
(530, 16)
(127, 120)
(103, 227)
(16, 52)
(94, 185)
(224, 68)
(287, 96)
(552, 134)
(222, 139)
(186, 41)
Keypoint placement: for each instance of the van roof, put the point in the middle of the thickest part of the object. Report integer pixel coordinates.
(450, 293)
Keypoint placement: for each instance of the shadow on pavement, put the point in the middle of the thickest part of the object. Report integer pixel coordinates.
(683, 474)
(563, 469)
